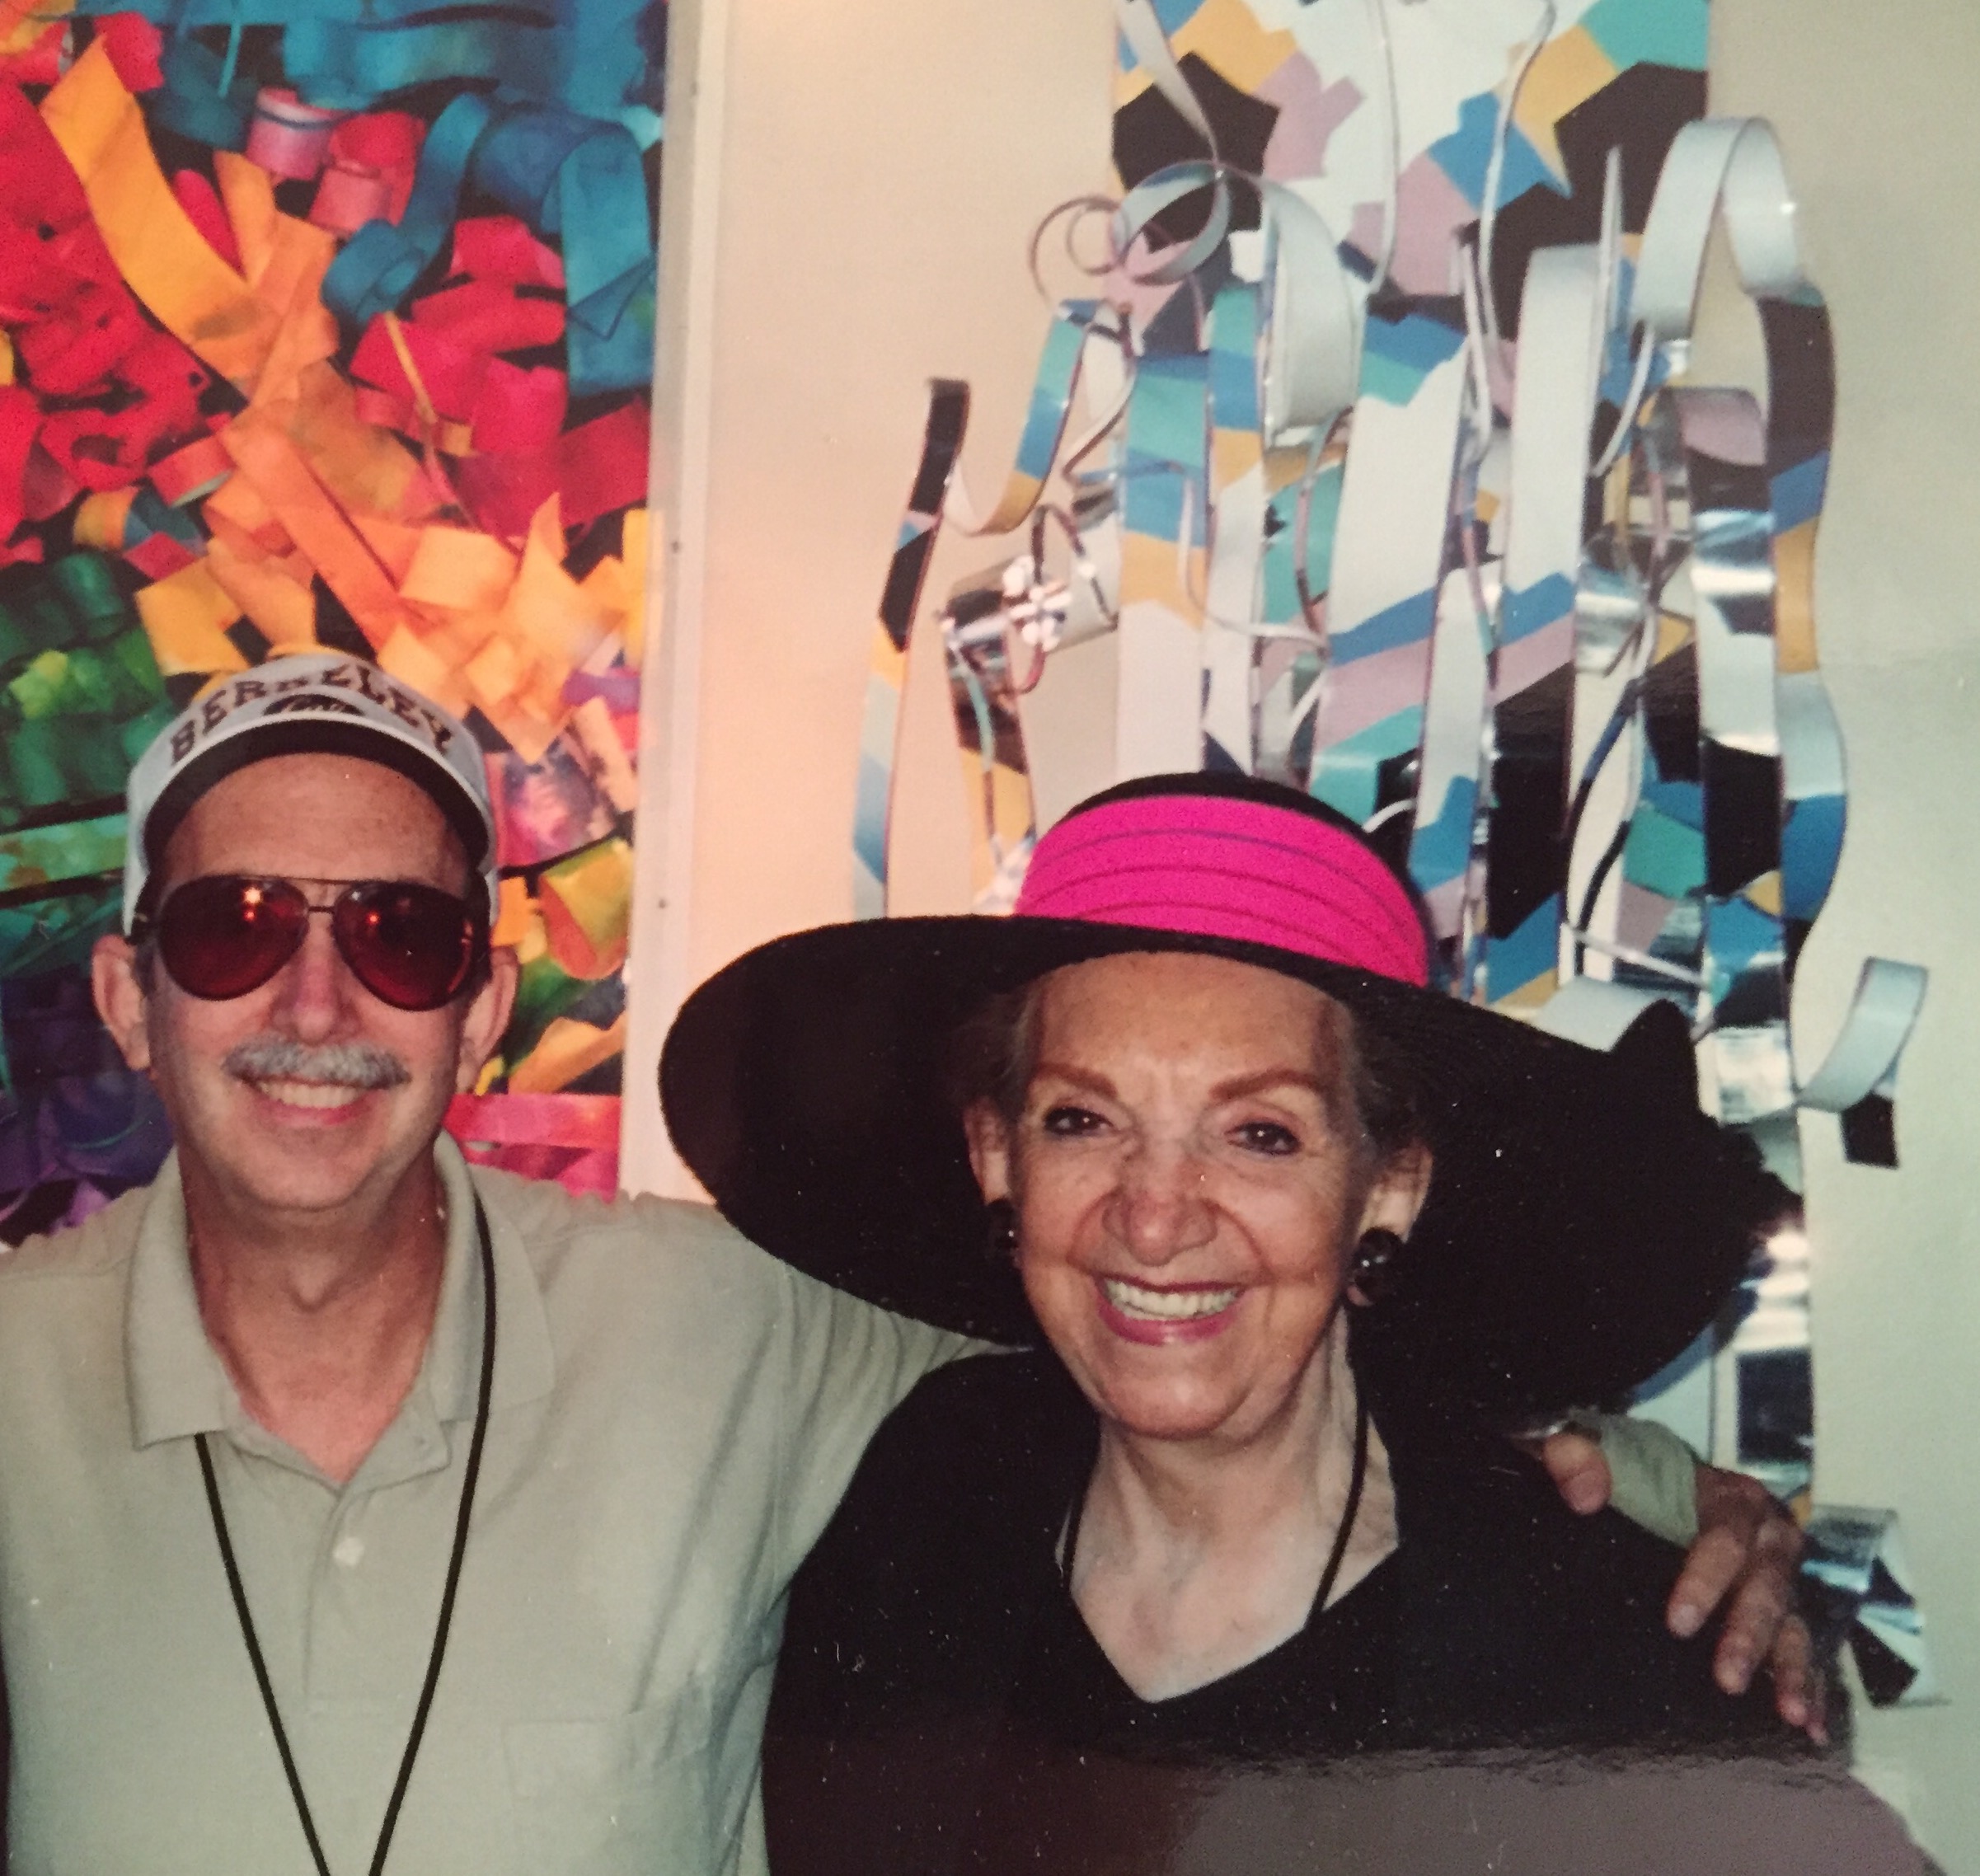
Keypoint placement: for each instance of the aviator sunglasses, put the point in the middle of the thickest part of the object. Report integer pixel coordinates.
(411, 945)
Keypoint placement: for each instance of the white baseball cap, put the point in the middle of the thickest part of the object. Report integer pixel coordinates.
(316, 702)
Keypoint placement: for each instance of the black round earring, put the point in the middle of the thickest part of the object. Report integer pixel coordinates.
(1000, 1228)
(1376, 1264)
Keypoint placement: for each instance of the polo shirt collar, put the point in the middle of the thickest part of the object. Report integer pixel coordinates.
(179, 1387)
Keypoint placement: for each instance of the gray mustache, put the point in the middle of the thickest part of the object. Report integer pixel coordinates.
(342, 1064)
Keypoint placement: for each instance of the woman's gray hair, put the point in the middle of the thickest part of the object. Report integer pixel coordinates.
(995, 1050)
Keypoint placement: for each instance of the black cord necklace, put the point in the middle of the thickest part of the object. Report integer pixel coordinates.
(447, 1595)
(1335, 1557)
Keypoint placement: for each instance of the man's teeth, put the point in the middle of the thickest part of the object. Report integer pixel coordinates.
(1165, 1306)
(310, 1094)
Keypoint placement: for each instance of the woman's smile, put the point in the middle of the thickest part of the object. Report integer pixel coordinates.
(1153, 1314)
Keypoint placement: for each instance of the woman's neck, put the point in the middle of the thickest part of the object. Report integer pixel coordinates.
(1192, 1562)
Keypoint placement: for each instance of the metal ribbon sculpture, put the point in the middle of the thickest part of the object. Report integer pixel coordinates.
(1527, 596)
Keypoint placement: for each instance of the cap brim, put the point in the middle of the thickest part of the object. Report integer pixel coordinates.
(1585, 1221)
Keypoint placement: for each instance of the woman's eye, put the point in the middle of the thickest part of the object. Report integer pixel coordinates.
(1066, 1122)
(1266, 1137)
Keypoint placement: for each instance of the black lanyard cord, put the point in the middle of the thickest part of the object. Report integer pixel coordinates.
(447, 1596)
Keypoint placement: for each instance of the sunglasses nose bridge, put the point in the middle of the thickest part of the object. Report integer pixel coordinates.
(315, 984)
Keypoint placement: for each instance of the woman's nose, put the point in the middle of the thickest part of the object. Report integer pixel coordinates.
(1159, 1207)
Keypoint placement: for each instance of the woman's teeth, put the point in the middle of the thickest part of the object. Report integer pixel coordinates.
(310, 1094)
(1165, 1306)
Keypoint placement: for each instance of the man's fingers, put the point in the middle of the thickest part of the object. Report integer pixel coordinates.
(1798, 1694)
(1574, 1461)
(1753, 1625)
(1711, 1568)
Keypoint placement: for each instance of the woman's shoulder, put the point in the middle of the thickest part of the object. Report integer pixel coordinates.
(941, 1552)
(982, 1428)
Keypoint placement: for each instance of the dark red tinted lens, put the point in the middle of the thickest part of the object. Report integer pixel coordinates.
(410, 945)
(225, 936)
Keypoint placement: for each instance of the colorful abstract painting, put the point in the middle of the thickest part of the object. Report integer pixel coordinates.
(322, 325)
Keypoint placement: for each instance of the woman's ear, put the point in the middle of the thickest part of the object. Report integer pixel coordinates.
(989, 1137)
(1399, 1191)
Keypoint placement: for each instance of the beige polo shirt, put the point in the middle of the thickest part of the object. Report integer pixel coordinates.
(675, 1416)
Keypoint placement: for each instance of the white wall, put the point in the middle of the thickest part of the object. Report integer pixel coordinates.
(849, 192)
(1878, 110)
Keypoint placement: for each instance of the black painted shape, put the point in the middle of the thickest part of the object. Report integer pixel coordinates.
(337, 631)
(1801, 390)
(904, 573)
(1150, 133)
(1886, 1673)
(1742, 817)
(1776, 1406)
(1718, 484)
(1525, 857)
(1869, 1132)
(250, 640)
(1641, 110)
(1670, 708)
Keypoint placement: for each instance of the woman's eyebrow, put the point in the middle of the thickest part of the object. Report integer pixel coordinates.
(1084, 1078)
(1239, 1085)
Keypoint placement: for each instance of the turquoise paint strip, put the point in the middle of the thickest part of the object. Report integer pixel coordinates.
(1675, 33)
(1346, 774)
(1662, 856)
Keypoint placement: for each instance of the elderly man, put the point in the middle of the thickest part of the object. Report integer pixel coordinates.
(352, 1504)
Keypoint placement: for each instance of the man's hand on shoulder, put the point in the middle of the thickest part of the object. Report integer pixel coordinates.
(1744, 1555)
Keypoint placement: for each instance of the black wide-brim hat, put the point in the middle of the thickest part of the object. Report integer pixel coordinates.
(1585, 1222)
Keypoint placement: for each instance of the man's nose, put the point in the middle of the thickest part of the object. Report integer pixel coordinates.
(1160, 1208)
(314, 988)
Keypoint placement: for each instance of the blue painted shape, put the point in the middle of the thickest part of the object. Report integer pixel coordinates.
(1465, 153)
(1440, 849)
(1796, 493)
(1165, 443)
(1281, 595)
(1683, 801)
(1663, 855)
(1650, 32)
(1051, 391)
(1234, 359)
(1174, 14)
(1739, 935)
(1532, 951)
(1345, 773)
(1811, 846)
(1533, 608)
(870, 818)
(1403, 623)
(1397, 355)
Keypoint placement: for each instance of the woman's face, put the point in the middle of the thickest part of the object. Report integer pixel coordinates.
(1190, 1179)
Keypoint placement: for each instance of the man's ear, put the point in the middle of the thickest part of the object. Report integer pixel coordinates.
(989, 1137)
(486, 1017)
(120, 998)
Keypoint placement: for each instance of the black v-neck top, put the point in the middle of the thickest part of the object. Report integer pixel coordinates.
(941, 1706)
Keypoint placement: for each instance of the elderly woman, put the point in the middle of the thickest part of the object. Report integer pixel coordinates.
(1304, 1237)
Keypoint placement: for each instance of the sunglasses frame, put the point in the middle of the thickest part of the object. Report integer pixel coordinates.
(151, 926)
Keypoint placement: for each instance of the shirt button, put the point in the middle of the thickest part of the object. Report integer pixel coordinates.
(348, 1551)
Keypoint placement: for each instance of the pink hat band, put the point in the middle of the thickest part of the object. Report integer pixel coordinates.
(1224, 867)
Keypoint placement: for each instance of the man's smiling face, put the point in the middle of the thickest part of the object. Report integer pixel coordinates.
(308, 1094)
